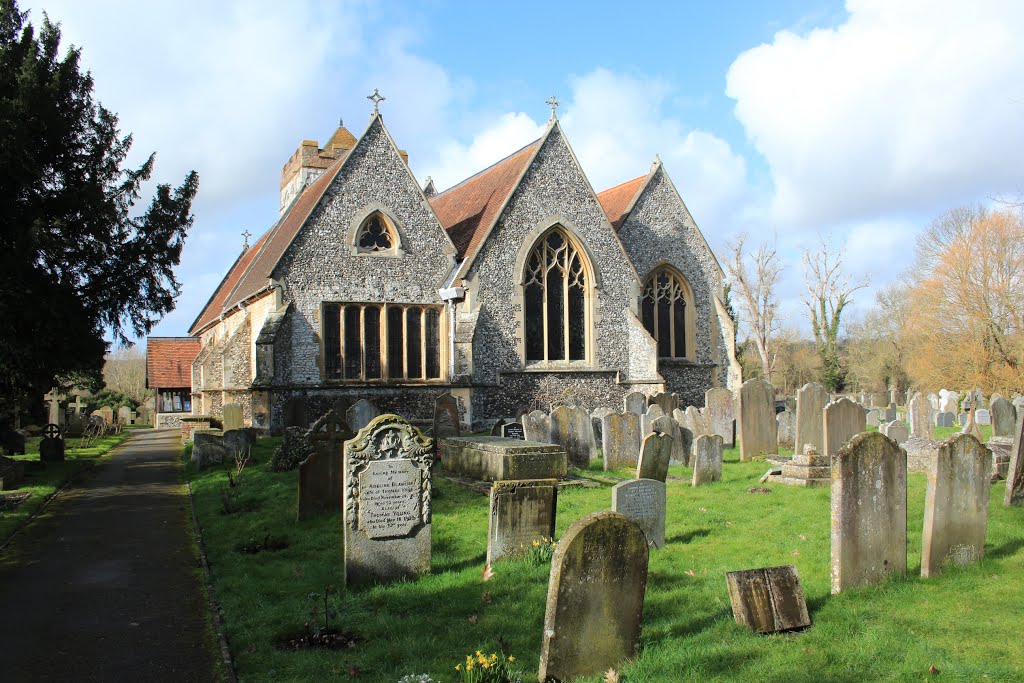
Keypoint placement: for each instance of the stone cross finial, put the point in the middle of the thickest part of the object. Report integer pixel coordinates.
(246, 235)
(376, 98)
(553, 103)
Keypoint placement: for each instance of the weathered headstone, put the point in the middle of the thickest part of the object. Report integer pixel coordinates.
(718, 403)
(537, 426)
(571, 428)
(896, 430)
(12, 473)
(643, 501)
(680, 446)
(707, 459)
(620, 440)
(889, 414)
(944, 419)
(635, 402)
(872, 417)
(124, 415)
(513, 430)
(107, 413)
(1014, 496)
(322, 474)
(493, 458)
(294, 413)
(811, 399)
(446, 417)
(1004, 418)
(869, 511)
(950, 403)
(496, 427)
(654, 457)
(239, 441)
(769, 600)
(666, 401)
(596, 418)
(786, 428)
(809, 468)
(360, 414)
(521, 512)
(983, 417)
(51, 447)
(595, 597)
(208, 448)
(756, 419)
(387, 509)
(843, 419)
(13, 442)
(232, 416)
(920, 416)
(956, 504)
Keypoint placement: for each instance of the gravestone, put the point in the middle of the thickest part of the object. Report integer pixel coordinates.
(124, 415)
(643, 501)
(707, 459)
(811, 399)
(666, 401)
(294, 413)
(896, 430)
(768, 600)
(695, 422)
(496, 427)
(982, 417)
(950, 403)
(208, 448)
(680, 448)
(1014, 496)
(51, 447)
(322, 473)
(635, 402)
(537, 426)
(521, 512)
(1018, 404)
(809, 468)
(572, 429)
(12, 473)
(107, 413)
(843, 419)
(871, 417)
(869, 511)
(944, 419)
(387, 505)
(718, 404)
(654, 457)
(595, 597)
(13, 442)
(620, 440)
(493, 458)
(755, 421)
(361, 413)
(889, 414)
(956, 504)
(596, 418)
(232, 416)
(920, 416)
(513, 430)
(786, 428)
(1004, 419)
(446, 418)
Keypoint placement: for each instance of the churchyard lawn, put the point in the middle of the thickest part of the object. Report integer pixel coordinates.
(959, 626)
(43, 483)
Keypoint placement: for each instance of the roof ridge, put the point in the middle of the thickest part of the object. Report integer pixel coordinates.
(485, 170)
(624, 182)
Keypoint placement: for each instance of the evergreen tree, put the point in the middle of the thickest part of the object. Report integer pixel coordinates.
(77, 259)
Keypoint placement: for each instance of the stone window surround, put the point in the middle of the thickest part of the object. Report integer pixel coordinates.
(590, 295)
(394, 226)
(691, 311)
(384, 379)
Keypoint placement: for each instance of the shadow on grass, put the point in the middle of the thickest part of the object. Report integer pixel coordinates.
(1006, 549)
(689, 536)
(698, 625)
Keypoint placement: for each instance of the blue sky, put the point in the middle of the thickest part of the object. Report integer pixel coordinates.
(859, 121)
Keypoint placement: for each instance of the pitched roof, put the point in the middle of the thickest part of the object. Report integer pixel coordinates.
(169, 361)
(215, 305)
(618, 200)
(254, 279)
(467, 210)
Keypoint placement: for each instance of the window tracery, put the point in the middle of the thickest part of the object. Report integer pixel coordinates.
(665, 307)
(555, 287)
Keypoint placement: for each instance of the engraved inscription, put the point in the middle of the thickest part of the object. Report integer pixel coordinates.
(637, 502)
(389, 498)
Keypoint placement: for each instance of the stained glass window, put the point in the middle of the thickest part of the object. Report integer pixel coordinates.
(663, 310)
(375, 234)
(555, 293)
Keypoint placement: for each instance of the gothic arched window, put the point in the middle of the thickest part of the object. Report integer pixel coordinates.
(666, 308)
(555, 292)
(376, 234)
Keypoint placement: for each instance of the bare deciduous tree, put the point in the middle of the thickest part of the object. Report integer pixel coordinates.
(756, 290)
(829, 290)
(124, 370)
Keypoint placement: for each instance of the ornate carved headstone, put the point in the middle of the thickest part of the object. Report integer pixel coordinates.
(643, 501)
(811, 400)
(232, 416)
(707, 459)
(635, 402)
(843, 420)
(387, 501)
(360, 414)
(869, 511)
(756, 420)
(513, 430)
(654, 457)
(51, 448)
(322, 473)
(769, 600)
(620, 440)
(572, 429)
(956, 504)
(446, 417)
(537, 426)
(718, 404)
(521, 511)
(595, 597)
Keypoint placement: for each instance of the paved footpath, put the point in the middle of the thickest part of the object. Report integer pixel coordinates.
(104, 586)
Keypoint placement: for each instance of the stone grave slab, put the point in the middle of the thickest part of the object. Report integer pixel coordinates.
(769, 600)
(595, 597)
(537, 426)
(387, 504)
(921, 416)
(232, 416)
(446, 417)
(680, 449)
(843, 419)
(983, 417)
(360, 414)
(786, 429)
(956, 504)
(755, 422)
(51, 447)
(643, 501)
(944, 419)
(896, 430)
(620, 440)
(1004, 419)
(655, 454)
(635, 402)
(12, 473)
(492, 458)
(496, 427)
(322, 473)
(869, 511)
(811, 400)
(707, 459)
(1014, 496)
(572, 428)
(522, 511)
(666, 401)
(718, 404)
(809, 468)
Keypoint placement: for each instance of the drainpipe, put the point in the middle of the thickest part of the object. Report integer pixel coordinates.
(450, 295)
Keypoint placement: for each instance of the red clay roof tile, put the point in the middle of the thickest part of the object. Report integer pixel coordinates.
(169, 361)
(215, 305)
(616, 200)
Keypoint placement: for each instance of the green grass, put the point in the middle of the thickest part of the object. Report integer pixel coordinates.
(42, 484)
(965, 623)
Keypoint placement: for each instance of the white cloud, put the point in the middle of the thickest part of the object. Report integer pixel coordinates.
(456, 160)
(913, 105)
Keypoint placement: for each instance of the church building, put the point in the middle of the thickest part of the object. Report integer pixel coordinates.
(515, 289)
